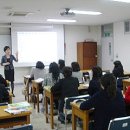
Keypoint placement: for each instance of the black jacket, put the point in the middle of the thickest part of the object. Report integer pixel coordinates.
(105, 108)
(66, 87)
(94, 86)
(4, 94)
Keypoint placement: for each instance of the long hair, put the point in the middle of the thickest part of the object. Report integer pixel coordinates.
(97, 72)
(61, 64)
(54, 69)
(108, 81)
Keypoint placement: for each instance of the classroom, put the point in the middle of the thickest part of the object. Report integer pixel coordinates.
(65, 56)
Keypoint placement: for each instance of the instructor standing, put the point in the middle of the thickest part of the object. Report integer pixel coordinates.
(7, 62)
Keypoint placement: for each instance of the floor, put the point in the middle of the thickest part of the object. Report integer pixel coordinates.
(38, 119)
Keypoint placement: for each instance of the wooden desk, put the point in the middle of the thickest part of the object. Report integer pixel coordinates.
(9, 120)
(84, 115)
(26, 83)
(126, 83)
(49, 94)
(127, 73)
(36, 84)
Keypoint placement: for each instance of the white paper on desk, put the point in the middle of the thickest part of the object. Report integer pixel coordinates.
(39, 80)
(18, 111)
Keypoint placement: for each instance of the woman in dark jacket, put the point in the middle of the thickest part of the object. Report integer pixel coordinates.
(67, 87)
(94, 85)
(118, 70)
(7, 62)
(107, 103)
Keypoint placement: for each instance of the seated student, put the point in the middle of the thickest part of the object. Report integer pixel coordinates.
(94, 85)
(61, 64)
(53, 76)
(3, 81)
(4, 94)
(76, 71)
(67, 87)
(38, 72)
(107, 103)
(118, 70)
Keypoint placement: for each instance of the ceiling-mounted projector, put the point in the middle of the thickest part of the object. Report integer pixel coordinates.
(67, 13)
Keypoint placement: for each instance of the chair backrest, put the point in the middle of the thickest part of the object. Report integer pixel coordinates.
(68, 100)
(122, 123)
(26, 127)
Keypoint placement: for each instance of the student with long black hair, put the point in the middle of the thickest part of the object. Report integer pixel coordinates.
(107, 103)
(53, 76)
(7, 62)
(94, 85)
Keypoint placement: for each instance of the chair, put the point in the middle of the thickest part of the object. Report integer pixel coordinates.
(26, 127)
(122, 123)
(68, 107)
(26, 88)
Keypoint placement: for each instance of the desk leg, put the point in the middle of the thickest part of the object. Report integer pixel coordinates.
(85, 123)
(28, 119)
(73, 121)
(51, 111)
(37, 91)
(46, 108)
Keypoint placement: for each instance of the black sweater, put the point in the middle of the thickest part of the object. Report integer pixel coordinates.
(105, 108)
(94, 86)
(66, 87)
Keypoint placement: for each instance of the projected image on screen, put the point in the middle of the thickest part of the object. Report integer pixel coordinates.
(35, 46)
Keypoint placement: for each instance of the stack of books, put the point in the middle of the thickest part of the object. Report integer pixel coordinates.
(17, 108)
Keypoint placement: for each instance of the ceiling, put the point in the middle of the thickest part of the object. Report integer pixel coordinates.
(44, 9)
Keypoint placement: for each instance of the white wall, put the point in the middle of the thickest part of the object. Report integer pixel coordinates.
(121, 45)
(73, 34)
(80, 33)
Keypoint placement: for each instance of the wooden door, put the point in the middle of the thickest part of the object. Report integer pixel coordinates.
(89, 55)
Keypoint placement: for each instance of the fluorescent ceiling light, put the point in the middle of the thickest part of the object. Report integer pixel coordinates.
(126, 1)
(61, 20)
(85, 12)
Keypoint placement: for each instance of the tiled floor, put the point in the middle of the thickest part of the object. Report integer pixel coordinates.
(38, 119)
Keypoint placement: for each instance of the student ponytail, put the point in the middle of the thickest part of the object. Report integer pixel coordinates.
(109, 83)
